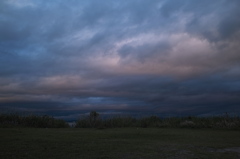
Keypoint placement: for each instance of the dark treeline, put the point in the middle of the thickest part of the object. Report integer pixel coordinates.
(93, 120)
(15, 120)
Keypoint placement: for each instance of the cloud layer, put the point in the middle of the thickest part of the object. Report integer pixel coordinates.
(166, 57)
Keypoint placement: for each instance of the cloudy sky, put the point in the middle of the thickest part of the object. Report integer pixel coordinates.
(166, 57)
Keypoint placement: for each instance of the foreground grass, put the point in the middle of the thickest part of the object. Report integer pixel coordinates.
(118, 143)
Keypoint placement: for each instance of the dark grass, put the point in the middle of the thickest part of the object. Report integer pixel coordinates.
(118, 143)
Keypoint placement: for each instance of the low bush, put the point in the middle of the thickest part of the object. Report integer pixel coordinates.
(15, 120)
(219, 122)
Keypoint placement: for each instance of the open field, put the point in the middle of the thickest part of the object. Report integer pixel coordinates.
(119, 143)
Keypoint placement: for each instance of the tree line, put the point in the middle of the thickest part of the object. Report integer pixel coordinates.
(34, 121)
(94, 120)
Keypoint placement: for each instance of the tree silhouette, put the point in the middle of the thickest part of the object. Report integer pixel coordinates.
(93, 118)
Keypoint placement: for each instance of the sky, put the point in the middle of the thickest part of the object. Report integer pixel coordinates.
(65, 58)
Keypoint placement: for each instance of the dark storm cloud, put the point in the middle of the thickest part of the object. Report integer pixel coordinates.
(172, 57)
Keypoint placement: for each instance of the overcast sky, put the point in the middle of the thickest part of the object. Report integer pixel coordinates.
(166, 57)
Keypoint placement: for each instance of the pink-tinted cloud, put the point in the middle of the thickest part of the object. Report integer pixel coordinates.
(135, 56)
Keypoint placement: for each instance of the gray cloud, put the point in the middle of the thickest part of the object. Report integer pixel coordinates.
(137, 56)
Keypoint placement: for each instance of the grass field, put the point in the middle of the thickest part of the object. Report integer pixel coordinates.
(120, 143)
